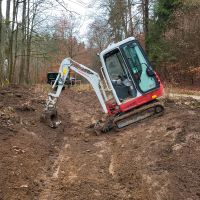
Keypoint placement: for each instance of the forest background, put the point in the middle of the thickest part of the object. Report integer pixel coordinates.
(34, 40)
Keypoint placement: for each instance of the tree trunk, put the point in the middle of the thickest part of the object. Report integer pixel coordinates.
(145, 7)
(8, 12)
(10, 60)
(1, 21)
(23, 48)
(28, 45)
(1, 56)
(7, 23)
(16, 50)
(130, 17)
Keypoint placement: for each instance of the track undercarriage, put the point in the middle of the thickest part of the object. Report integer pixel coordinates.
(124, 119)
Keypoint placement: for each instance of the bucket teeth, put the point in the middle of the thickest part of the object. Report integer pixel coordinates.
(50, 117)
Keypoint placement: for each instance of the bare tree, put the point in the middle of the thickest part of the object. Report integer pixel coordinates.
(23, 44)
(1, 56)
(66, 30)
(145, 13)
(8, 14)
(130, 17)
(98, 34)
(30, 29)
(11, 40)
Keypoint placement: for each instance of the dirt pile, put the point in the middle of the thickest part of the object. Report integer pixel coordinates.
(156, 159)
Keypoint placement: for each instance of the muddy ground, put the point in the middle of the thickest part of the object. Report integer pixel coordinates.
(157, 159)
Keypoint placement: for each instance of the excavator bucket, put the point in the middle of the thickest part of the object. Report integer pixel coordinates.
(50, 117)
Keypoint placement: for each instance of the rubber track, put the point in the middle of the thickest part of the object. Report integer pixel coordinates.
(139, 114)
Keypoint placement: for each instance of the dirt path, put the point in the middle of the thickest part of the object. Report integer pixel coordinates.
(175, 95)
(154, 160)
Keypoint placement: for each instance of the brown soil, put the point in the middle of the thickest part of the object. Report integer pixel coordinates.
(157, 159)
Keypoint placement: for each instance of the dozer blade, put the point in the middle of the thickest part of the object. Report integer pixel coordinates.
(50, 117)
(139, 114)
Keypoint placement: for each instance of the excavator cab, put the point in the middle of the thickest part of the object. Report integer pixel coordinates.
(129, 75)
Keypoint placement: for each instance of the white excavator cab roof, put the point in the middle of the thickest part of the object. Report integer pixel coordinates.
(116, 45)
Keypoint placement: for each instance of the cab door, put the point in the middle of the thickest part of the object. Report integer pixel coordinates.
(143, 74)
(117, 71)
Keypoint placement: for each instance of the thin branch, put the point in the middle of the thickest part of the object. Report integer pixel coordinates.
(66, 8)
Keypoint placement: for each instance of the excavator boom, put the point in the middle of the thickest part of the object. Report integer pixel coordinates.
(50, 111)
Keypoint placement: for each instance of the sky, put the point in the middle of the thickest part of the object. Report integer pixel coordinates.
(79, 6)
(82, 8)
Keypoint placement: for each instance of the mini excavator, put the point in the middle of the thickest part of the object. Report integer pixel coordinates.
(128, 92)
